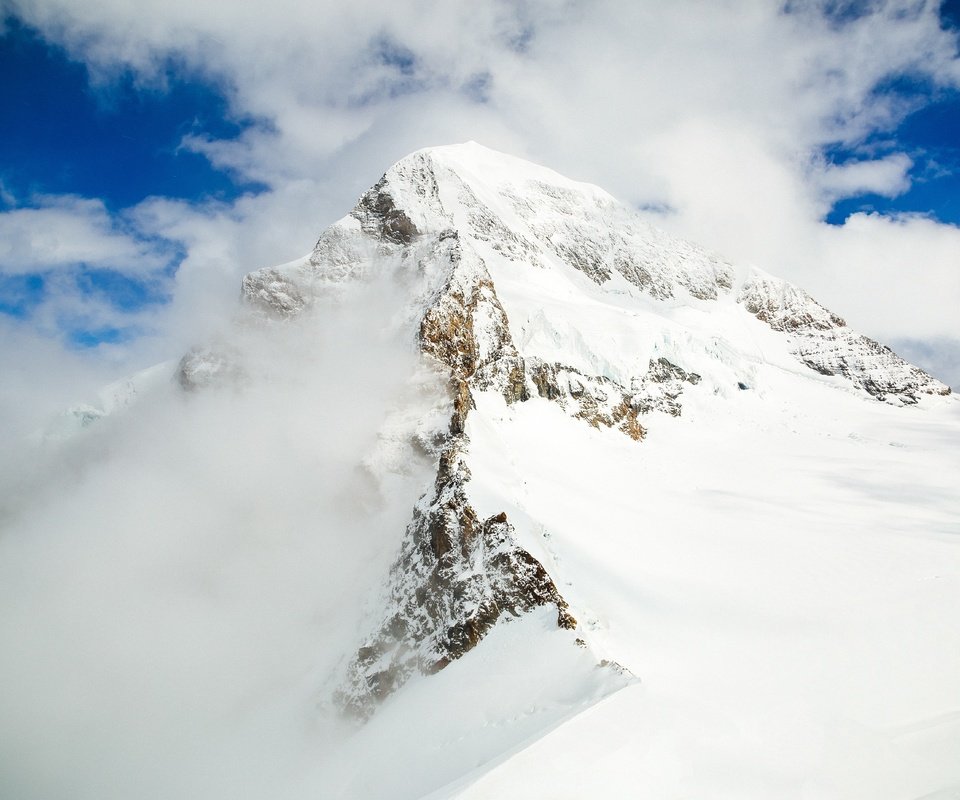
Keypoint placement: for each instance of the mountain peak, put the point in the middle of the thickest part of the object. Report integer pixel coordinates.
(520, 284)
(546, 242)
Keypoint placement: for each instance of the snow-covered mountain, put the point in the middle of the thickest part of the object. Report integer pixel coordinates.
(523, 285)
(672, 529)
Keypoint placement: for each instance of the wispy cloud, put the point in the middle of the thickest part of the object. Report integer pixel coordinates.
(723, 113)
(58, 232)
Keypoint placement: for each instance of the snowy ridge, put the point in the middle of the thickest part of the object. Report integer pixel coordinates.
(455, 577)
(822, 341)
(497, 251)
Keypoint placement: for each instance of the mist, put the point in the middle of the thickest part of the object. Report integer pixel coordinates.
(179, 580)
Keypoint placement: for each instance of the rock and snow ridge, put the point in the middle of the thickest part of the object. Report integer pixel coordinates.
(528, 286)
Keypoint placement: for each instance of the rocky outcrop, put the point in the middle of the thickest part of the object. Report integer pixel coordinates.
(207, 367)
(466, 329)
(785, 307)
(602, 402)
(822, 341)
(455, 578)
(379, 216)
(661, 387)
(868, 365)
(273, 293)
(596, 400)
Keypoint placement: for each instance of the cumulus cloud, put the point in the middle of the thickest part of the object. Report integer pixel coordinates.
(720, 113)
(884, 176)
(65, 230)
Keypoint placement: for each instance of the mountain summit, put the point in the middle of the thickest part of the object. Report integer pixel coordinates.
(525, 288)
(515, 241)
(499, 492)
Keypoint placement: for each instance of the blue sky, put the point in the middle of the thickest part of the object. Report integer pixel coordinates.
(149, 155)
(930, 135)
(118, 141)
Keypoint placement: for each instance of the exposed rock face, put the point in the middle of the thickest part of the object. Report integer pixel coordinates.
(662, 386)
(822, 341)
(455, 577)
(869, 365)
(466, 328)
(784, 307)
(596, 400)
(379, 216)
(600, 401)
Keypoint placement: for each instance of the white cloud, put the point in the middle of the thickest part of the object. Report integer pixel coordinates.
(172, 589)
(65, 230)
(40, 379)
(885, 176)
(906, 266)
(719, 111)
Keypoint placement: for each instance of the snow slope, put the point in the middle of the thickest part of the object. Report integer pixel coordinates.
(501, 492)
(780, 573)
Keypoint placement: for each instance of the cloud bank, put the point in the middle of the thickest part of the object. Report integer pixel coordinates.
(716, 114)
(180, 581)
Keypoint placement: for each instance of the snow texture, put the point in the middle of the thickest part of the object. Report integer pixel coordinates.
(485, 232)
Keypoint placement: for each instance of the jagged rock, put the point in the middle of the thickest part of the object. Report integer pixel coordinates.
(821, 340)
(600, 401)
(466, 328)
(661, 387)
(455, 577)
(379, 216)
(596, 400)
(506, 375)
(869, 365)
(462, 403)
(784, 307)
